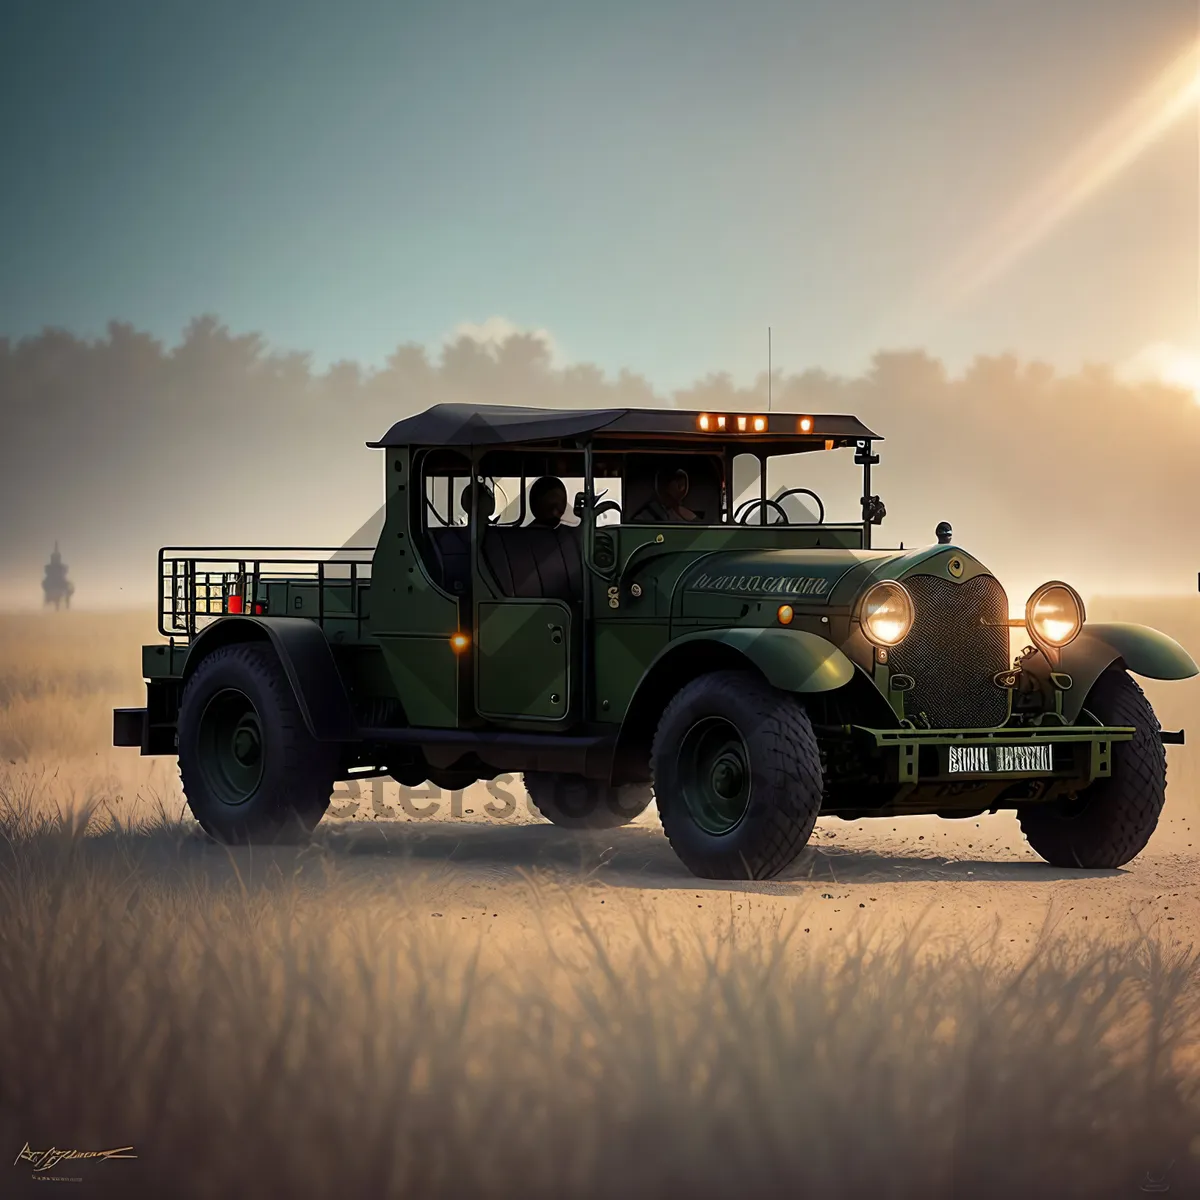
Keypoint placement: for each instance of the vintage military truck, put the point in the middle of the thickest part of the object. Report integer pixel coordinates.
(747, 666)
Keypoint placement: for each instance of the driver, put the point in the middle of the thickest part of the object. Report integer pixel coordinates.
(547, 501)
(670, 490)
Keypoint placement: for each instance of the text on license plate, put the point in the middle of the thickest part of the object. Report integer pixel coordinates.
(975, 759)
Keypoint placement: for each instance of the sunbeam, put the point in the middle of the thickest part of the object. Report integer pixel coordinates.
(1170, 97)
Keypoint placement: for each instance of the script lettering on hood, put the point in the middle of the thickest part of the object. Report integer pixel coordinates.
(789, 585)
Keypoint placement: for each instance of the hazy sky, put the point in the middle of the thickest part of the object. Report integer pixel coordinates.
(652, 183)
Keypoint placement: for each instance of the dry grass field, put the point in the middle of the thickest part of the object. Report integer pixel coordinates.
(463, 1004)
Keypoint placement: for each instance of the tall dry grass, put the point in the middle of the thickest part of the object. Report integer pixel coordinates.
(276, 1037)
(61, 675)
(284, 1025)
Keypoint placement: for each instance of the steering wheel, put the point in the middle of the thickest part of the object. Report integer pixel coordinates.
(805, 492)
(742, 516)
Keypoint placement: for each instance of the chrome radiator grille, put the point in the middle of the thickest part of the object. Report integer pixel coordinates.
(959, 640)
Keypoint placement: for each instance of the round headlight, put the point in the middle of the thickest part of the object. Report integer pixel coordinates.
(1054, 614)
(887, 613)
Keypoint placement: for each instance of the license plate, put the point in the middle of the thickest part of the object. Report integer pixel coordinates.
(989, 760)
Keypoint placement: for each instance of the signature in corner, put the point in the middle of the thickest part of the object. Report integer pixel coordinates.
(1156, 1181)
(47, 1160)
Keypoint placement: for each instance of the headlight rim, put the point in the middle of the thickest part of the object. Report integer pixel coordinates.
(863, 624)
(1031, 627)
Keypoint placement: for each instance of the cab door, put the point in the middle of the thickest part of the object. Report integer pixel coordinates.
(523, 659)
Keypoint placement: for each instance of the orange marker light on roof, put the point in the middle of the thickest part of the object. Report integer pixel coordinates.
(742, 424)
(720, 422)
(460, 642)
(703, 421)
(806, 424)
(760, 423)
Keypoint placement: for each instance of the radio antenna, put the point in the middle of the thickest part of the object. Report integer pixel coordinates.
(768, 368)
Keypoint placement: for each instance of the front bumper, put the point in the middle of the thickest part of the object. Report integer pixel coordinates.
(1049, 752)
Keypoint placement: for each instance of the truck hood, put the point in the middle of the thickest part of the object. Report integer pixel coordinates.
(818, 576)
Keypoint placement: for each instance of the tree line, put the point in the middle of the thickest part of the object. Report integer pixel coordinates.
(119, 443)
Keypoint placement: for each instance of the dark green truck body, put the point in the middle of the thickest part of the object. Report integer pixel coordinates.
(420, 667)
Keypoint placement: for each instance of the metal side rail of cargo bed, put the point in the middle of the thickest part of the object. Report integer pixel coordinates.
(197, 584)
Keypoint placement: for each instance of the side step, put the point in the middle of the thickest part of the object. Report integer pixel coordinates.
(506, 750)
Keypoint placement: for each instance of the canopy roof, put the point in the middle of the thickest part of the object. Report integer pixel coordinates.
(503, 425)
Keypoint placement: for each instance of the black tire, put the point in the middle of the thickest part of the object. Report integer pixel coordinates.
(758, 831)
(578, 803)
(1111, 821)
(277, 792)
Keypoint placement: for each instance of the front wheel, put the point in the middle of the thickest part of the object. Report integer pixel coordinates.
(1110, 821)
(737, 774)
(578, 803)
(251, 771)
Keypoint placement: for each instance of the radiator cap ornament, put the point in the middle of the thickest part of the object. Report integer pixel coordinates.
(944, 533)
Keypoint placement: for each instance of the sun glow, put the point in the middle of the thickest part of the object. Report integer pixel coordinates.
(1171, 96)
(1183, 371)
(1164, 362)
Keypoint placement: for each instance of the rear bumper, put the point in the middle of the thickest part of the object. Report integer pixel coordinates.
(133, 727)
(1055, 752)
(130, 726)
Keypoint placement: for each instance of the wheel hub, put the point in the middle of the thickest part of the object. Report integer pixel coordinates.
(727, 776)
(714, 774)
(231, 747)
(247, 744)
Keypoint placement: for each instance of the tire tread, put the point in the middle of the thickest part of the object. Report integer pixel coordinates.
(1125, 807)
(786, 752)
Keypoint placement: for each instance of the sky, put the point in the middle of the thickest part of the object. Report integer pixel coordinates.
(652, 184)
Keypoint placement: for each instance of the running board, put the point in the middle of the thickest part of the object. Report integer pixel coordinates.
(504, 749)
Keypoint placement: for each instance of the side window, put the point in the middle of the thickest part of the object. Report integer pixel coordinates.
(610, 492)
(747, 480)
(446, 500)
(506, 492)
(442, 507)
(445, 543)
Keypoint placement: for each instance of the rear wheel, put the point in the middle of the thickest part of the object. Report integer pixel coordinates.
(578, 803)
(1111, 821)
(251, 771)
(737, 774)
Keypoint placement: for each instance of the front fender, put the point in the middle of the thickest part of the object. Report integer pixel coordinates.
(1138, 648)
(792, 660)
(307, 659)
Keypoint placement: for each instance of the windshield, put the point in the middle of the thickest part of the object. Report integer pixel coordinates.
(804, 488)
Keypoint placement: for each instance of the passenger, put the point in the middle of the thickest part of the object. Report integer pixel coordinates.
(547, 502)
(486, 499)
